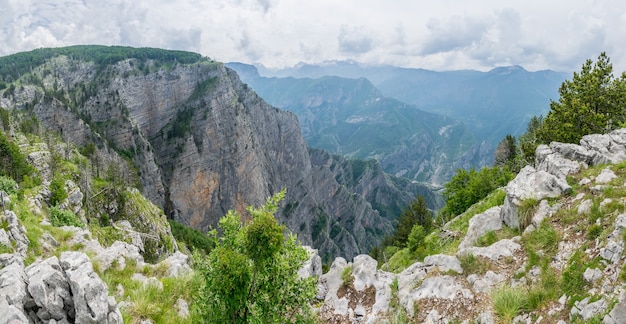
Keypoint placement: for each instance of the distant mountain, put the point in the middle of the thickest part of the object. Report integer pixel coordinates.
(492, 104)
(199, 142)
(353, 118)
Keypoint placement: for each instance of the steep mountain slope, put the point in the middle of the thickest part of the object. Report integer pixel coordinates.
(491, 104)
(351, 117)
(199, 141)
(547, 248)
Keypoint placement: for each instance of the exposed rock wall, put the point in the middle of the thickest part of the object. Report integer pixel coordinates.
(202, 143)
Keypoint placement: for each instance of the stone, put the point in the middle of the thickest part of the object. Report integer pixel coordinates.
(591, 275)
(177, 264)
(530, 184)
(606, 148)
(182, 307)
(118, 252)
(5, 200)
(135, 237)
(50, 290)
(440, 287)
(11, 314)
(544, 210)
(561, 159)
(605, 176)
(13, 284)
(16, 233)
(444, 262)
(480, 224)
(612, 252)
(500, 249)
(617, 315)
(311, 267)
(485, 318)
(585, 207)
(484, 284)
(89, 292)
(588, 310)
(145, 281)
(364, 271)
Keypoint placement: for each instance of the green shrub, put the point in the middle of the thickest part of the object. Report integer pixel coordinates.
(193, 238)
(57, 191)
(346, 276)
(473, 264)
(60, 217)
(8, 185)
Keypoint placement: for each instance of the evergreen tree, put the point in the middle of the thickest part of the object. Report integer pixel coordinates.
(592, 102)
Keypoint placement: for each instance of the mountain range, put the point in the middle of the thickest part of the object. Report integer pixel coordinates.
(459, 115)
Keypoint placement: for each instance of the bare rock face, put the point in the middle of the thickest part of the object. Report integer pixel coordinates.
(530, 184)
(203, 143)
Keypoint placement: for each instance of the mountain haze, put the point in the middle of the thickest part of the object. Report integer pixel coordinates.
(353, 118)
(491, 104)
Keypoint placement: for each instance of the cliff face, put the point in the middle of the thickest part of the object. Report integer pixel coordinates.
(201, 143)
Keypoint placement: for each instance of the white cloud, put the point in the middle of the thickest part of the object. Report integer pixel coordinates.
(438, 35)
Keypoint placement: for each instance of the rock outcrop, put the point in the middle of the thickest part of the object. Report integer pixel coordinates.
(443, 291)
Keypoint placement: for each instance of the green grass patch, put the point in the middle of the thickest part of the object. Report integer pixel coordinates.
(61, 217)
(509, 302)
(474, 264)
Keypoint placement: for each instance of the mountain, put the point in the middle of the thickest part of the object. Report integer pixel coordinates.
(492, 104)
(199, 142)
(353, 118)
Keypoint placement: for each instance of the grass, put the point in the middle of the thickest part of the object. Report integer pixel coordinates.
(509, 302)
(527, 209)
(346, 276)
(474, 264)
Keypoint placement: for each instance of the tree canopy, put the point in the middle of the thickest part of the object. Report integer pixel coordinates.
(594, 101)
(251, 276)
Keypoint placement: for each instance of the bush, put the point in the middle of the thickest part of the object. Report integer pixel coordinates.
(57, 191)
(61, 217)
(8, 185)
(193, 238)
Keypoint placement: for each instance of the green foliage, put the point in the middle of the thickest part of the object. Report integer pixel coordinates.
(509, 302)
(592, 102)
(573, 283)
(474, 264)
(14, 66)
(8, 185)
(57, 191)
(12, 162)
(416, 238)
(193, 238)
(251, 274)
(506, 152)
(61, 217)
(346, 276)
(468, 187)
(529, 141)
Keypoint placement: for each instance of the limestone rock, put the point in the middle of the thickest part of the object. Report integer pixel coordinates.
(183, 308)
(561, 159)
(543, 211)
(485, 283)
(364, 271)
(606, 148)
(118, 252)
(440, 287)
(16, 233)
(311, 267)
(444, 262)
(605, 176)
(50, 290)
(587, 310)
(617, 315)
(500, 249)
(13, 285)
(11, 314)
(530, 184)
(177, 264)
(592, 275)
(480, 224)
(89, 292)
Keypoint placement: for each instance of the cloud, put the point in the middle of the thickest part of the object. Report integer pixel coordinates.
(354, 40)
(453, 34)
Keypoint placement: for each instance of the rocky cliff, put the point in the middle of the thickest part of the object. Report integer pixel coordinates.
(199, 141)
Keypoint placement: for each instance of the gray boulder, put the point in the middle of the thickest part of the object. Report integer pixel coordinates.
(500, 249)
(561, 159)
(617, 315)
(50, 290)
(530, 184)
(313, 266)
(606, 148)
(89, 292)
(119, 252)
(444, 262)
(439, 287)
(480, 224)
(587, 310)
(605, 176)
(16, 233)
(177, 264)
(13, 285)
(11, 314)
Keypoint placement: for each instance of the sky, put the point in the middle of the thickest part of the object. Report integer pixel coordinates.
(435, 35)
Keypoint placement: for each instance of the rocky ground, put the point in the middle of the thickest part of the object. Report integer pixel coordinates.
(551, 251)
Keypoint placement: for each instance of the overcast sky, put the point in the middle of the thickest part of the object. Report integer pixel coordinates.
(434, 34)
